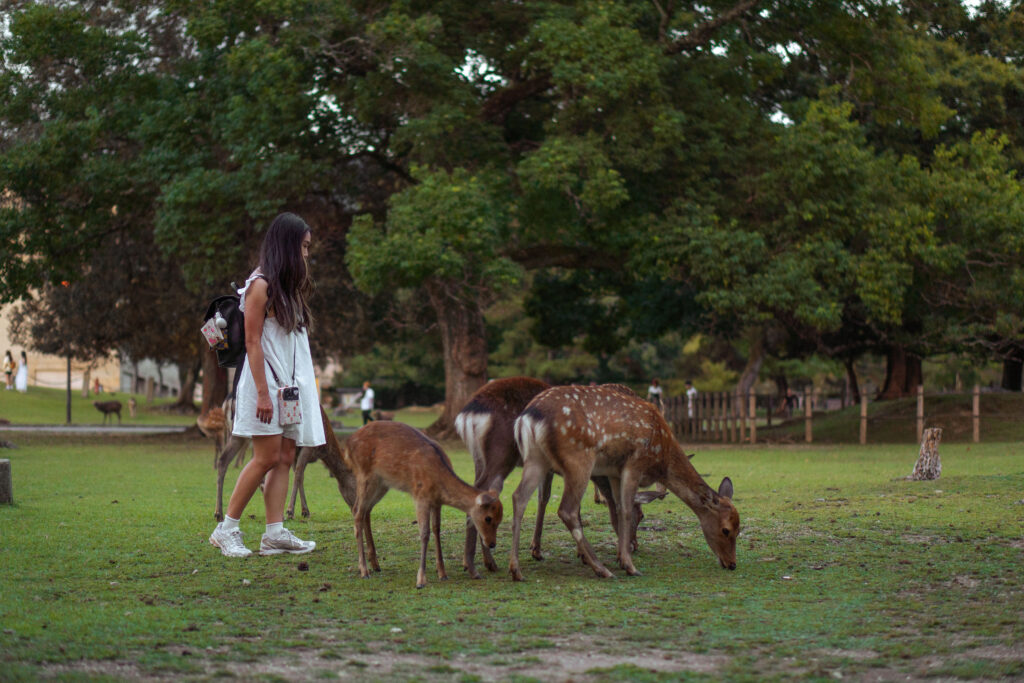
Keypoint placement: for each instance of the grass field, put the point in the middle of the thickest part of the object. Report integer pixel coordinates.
(844, 571)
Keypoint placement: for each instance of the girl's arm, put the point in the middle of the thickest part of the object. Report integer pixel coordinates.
(256, 303)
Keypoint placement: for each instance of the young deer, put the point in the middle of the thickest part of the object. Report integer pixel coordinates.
(608, 431)
(486, 426)
(386, 455)
(233, 447)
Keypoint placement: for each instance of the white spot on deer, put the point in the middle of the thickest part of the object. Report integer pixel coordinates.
(577, 534)
(562, 428)
(657, 449)
(565, 410)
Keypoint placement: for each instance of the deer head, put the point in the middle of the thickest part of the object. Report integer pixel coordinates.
(486, 516)
(721, 523)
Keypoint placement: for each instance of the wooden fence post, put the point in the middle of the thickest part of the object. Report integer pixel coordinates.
(6, 486)
(752, 401)
(920, 411)
(808, 416)
(732, 416)
(863, 419)
(723, 422)
(976, 413)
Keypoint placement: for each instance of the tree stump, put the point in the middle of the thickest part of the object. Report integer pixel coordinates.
(928, 465)
(6, 487)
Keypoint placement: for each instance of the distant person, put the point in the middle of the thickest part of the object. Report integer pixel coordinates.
(96, 388)
(791, 402)
(366, 402)
(21, 381)
(691, 398)
(9, 370)
(275, 299)
(654, 393)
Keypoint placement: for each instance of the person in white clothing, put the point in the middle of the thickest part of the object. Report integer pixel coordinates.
(654, 393)
(21, 380)
(277, 320)
(366, 402)
(691, 398)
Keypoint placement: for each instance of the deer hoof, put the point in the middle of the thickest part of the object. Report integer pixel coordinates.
(305, 512)
(492, 566)
(603, 573)
(421, 585)
(516, 574)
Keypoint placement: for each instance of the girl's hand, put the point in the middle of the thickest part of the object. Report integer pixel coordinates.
(264, 408)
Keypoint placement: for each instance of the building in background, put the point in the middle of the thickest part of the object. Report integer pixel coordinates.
(114, 374)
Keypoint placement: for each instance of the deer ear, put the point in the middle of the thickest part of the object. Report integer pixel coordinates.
(484, 499)
(725, 488)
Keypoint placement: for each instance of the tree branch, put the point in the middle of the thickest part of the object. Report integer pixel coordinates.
(702, 33)
(497, 106)
(564, 256)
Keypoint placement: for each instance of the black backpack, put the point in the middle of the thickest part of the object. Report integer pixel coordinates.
(230, 353)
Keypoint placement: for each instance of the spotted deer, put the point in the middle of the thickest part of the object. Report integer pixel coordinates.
(608, 431)
(486, 426)
(387, 455)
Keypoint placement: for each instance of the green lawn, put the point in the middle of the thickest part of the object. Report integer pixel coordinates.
(44, 406)
(844, 570)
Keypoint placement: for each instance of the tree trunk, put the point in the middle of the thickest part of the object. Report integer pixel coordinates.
(851, 377)
(928, 465)
(754, 361)
(187, 376)
(464, 344)
(215, 383)
(1013, 366)
(902, 374)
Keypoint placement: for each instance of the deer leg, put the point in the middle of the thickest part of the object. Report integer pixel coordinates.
(569, 513)
(423, 522)
(534, 472)
(627, 493)
(543, 496)
(496, 483)
(240, 460)
(223, 458)
(484, 480)
(435, 522)
(305, 455)
(361, 520)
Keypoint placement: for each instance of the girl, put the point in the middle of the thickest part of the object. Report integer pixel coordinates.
(9, 369)
(277, 321)
(21, 380)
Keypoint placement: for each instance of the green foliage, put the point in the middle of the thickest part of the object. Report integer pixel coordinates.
(447, 228)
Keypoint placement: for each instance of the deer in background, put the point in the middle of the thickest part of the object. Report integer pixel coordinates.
(386, 455)
(486, 426)
(608, 431)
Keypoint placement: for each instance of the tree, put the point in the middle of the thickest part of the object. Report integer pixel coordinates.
(442, 234)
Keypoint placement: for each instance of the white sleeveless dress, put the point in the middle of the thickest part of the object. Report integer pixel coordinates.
(287, 352)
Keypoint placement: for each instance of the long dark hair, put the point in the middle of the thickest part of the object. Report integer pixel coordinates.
(289, 285)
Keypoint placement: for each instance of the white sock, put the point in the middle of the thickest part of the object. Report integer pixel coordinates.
(228, 524)
(274, 530)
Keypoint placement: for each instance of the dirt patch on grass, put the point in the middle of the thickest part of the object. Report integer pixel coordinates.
(571, 658)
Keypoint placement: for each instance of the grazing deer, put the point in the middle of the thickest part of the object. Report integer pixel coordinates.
(329, 453)
(608, 431)
(386, 455)
(486, 426)
(109, 408)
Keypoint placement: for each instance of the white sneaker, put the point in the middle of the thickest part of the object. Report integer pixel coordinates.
(285, 542)
(229, 542)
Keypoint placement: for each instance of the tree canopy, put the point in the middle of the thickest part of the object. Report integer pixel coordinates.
(827, 176)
